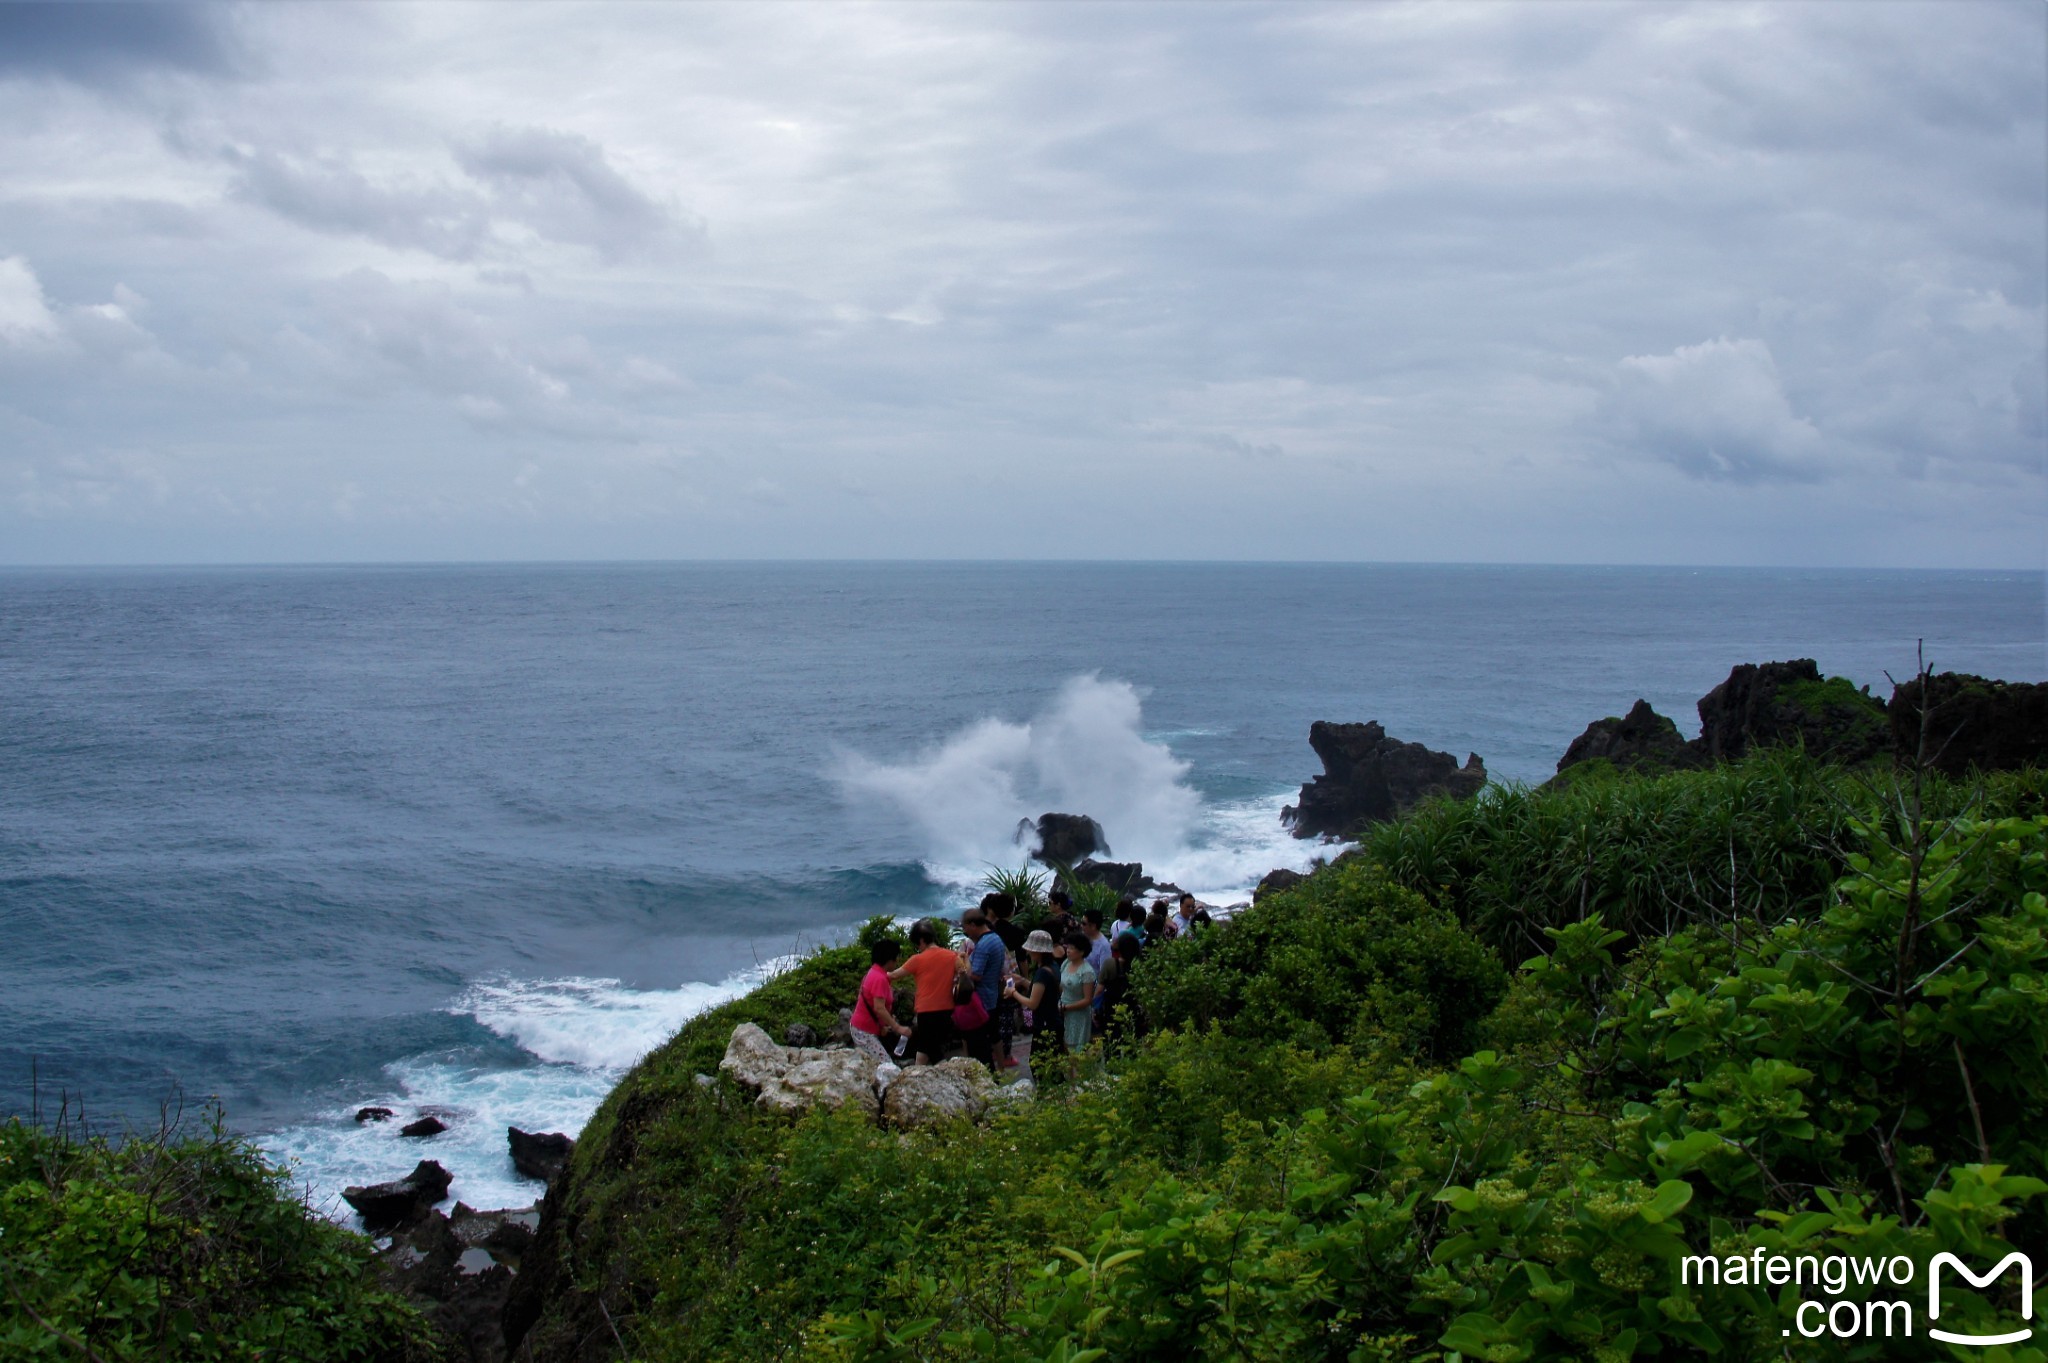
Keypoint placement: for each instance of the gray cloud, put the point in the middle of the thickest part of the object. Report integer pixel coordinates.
(327, 194)
(94, 41)
(554, 186)
(563, 186)
(1546, 274)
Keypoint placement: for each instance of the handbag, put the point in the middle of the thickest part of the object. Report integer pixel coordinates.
(970, 1015)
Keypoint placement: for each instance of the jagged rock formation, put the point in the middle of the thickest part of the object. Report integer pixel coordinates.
(401, 1201)
(1064, 839)
(950, 1090)
(1370, 778)
(1771, 704)
(1279, 878)
(424, 1127)
(1125, 877)
(1971, 722)
(459, 1269)
(539, 1156)
(1641, 738)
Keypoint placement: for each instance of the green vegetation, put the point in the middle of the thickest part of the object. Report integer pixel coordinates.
(1754, 841)
(1345, 957)
(1026, 890)
(180, 1247)
(1857, 722)
(1766, 1006)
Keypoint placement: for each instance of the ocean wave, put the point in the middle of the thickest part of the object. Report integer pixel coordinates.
(579, 1036)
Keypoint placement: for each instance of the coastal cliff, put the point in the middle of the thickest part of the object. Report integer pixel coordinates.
(1349, 1110)
(1670, 1008)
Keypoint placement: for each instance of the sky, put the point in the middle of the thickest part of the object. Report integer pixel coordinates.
(1582, 283)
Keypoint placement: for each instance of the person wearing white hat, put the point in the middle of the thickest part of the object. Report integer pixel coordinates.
(1041, 998)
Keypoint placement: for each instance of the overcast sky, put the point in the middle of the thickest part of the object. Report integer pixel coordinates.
(1539, 282)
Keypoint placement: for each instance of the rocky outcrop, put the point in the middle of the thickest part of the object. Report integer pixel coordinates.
(539, 1156)
(829, 1079)
(1125, 877)
(801, 1034)
(1064, 839)
(459, 1270)
(1642, 738)
(1280, 878)
(1773, 704)
(401, 1201)
(425, 1126)
(1370, 778)
(1971, 722)
(792, 1078)
(373, 1114)
(952, 1090)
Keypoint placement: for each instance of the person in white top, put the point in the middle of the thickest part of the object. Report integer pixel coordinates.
(1184, 916)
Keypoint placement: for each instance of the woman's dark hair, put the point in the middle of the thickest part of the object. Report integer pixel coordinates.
(1125, 946)
(1155, 923)
(1201, 916)
(886, 949)
(921, 934)
(1058, 898)
(997, 904)
(1075, 939)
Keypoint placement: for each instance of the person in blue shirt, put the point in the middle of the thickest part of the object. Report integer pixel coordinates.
(986, 962)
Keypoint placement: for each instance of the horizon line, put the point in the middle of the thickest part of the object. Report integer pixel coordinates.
(763, 561)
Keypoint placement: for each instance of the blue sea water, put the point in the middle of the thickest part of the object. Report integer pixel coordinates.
(474, 838)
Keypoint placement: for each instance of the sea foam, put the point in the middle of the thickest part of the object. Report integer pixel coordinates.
(1085, 753)
(581, 1036)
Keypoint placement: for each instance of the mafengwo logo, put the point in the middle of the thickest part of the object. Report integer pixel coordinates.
(1871, 1317)
(2012, 1260)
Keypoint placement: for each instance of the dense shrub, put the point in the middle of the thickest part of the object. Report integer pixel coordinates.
(1335, 1152)
(1759, 841)
(1345, 957)
(181, 1247)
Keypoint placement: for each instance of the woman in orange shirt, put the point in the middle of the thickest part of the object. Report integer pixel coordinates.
(934, 968)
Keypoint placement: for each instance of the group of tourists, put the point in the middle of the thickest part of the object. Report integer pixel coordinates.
(1061, 984)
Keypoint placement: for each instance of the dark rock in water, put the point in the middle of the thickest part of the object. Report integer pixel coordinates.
(459, 1270)
(1765, 705)
(1641, 738)
(400, 1201)
(1125, 877)
(1370, 778)
(373, 1114)
(1972, 722)
(425, 1126)
(799, 1034)
(1064, 839)
(539, 1156)
(1278, 879)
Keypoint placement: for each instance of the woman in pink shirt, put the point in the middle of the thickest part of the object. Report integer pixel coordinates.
(874, 1009)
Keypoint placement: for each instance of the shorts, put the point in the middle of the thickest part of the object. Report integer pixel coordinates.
(868, 1043)
(932, 1034)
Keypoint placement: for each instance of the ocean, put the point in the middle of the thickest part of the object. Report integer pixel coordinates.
(474, 838)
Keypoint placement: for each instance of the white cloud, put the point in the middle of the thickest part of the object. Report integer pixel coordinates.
(1716, 411)
(25, 318)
